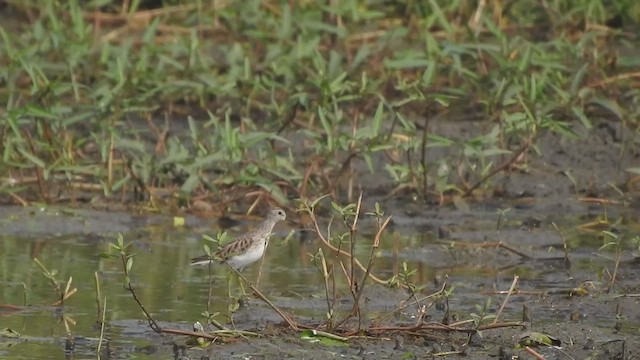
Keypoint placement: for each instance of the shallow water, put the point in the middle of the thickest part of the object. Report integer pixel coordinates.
(176, 293)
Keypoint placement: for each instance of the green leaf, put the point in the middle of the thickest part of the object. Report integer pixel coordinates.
(328, 129)
(314, 25)
(209, 238)
(337, 208)
(408, 62)
(316, 201)
(324, 338)
(274, 191)
(120, 242)
(190, 184)
(611, 105)
(120, 183)
(222, 238)
(537, 339)
(34, 159)
(37, 111)
(108, 256)
(584, 119)
(9, 333)
(377, 118)
(440, 16)
(579, 78)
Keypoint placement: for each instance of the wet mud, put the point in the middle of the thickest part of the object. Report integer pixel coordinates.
(566, 285)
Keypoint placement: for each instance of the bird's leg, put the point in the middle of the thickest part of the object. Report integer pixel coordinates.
(244, 293)
(232, 304)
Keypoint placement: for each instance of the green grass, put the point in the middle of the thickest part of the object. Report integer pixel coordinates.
(213, 99)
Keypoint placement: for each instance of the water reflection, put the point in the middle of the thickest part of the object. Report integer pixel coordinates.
(173, 291)
(166, 283)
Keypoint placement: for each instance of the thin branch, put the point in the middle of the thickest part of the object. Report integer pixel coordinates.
(499, 168)
(506, 299)
(340, 251)
(152, 323)
(292, 324)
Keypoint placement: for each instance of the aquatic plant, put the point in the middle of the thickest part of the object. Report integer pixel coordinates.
(161, 106)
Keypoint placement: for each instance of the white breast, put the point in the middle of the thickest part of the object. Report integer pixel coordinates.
(250, 256)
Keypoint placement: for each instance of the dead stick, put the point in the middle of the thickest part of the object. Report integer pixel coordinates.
(257, 292)
(499, 168)
(342, 252)
(506, 299)
(211, 336)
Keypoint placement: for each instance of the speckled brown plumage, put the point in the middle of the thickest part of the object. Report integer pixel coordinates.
(246, 248)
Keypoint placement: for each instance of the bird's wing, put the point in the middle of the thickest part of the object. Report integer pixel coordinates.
(236, 246)
(225, 251)
(239, 244)
(204, 259)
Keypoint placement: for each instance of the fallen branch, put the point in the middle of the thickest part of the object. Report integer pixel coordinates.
(501, 167)
(342, 252)
(292, 324)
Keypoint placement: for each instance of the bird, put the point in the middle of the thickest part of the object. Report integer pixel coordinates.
(247, 248)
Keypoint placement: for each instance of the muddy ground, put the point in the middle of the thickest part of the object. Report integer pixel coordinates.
(548, 187)
(551, 188)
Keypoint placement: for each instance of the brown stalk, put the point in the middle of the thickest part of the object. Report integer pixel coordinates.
(346, 165)
(256, 202)
(616, 78)
(127, 286)
(139, 16)
(55, 283)
(534, 353)
(340, 251)
(506, 299)
(357, 289)
(98, 296)
(64, 297)
(423, 157)
(292, 324)
(445, 328)
(123, 190)
(615, 268)
(110, 162)
(18, 199)
(101, 320)
(415, 301)
(601, 201)
(345, 272)
(336, 258)
(501, 167)
(210, 336)
(289, 119)
(44, 196)
(488, 245)
(210, 292)
(353, 230)
(376, 244)
(11, 307)
(565, 247)
(305, 179)
(352, 150)
(326, 274)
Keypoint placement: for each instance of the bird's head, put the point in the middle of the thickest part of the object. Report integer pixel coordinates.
(277, 214)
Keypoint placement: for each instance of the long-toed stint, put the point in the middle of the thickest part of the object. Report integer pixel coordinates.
(246, 248)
